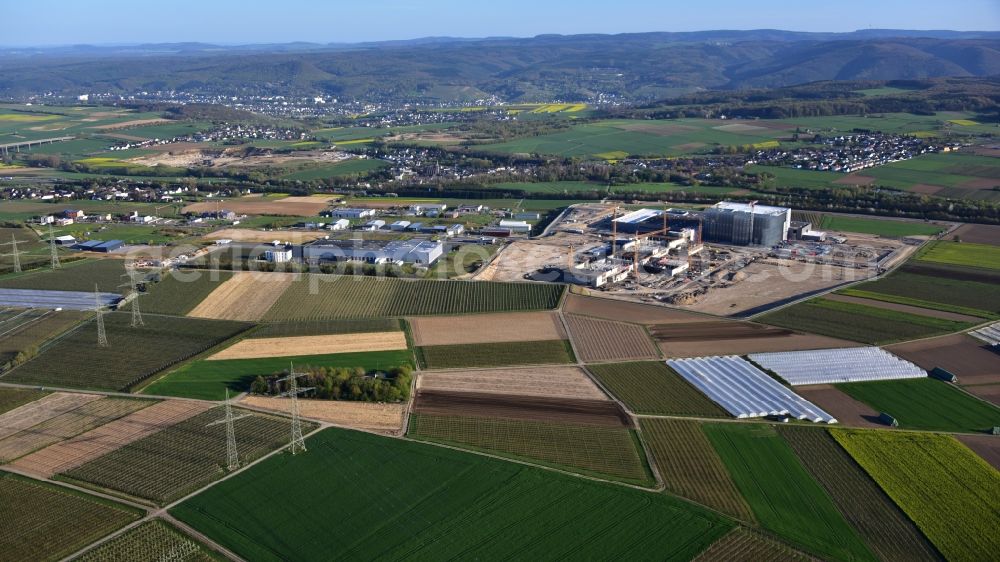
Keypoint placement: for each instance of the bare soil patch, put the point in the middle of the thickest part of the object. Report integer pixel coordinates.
(723, 337)
(486, 328)
(986, 446)
(925, 189)
(524, 257)
(625, 311)
(287, 206)
(442, 137)
(555, 382)
(981, 183)
(371, 416)
(312, 345)
(245, 296)
(979, 234)
(905, 308)
(247, 235)
(537, 408)
(109, 437)
(739, 128)
(688, 146)
(964, 356)
(988, 392)
(847, 410)
(855, 179)
(129, 124)
(40, 410)
(607, 340)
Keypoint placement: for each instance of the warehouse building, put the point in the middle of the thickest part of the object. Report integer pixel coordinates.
(416, 251)
(745, 224)
(351, 213)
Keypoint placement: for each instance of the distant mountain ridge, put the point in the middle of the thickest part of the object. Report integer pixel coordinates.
(632, 66)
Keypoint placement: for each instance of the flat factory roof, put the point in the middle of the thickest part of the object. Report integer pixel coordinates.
(746, 208)
(642, 215)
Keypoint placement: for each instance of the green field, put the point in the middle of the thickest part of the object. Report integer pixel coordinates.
(24, 210)
(886, 529)
(984, 256)
(650, 387)
(11, 398)
(82, 275)
(318, 297)
(495, 354)
(881, 227)
(156, 539)
(208, 380)
(861, 323)
(690, 467)
(33, 251)
(932, 291)
(44, 522)
(393, 499)
(783, 496)
(946, 489)
(605, 452)
(569, 187)
(351, 167)
(178, 292)
(180, 459)
(128, 233)
(926, 404)
(615, 140)
(133, 354)
(324, 327)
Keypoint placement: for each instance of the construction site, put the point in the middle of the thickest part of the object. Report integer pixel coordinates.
(729, 259)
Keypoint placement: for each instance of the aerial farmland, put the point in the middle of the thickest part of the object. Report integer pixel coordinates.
(713, 296)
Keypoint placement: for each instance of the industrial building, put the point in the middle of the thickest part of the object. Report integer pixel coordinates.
(99, 246)
(351, 213)
(598, 273)
(645, 221)
(416, 251)
(746, 224)
(520, 227)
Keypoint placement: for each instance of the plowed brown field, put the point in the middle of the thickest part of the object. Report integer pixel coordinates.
(728, 337)
(245, 296)
(486, 328)
(605, 340)
(287, 206)
(387, 418)
(108, 437)
(538, 408)
(966, 357)
(986, 446)
(847, 410)
(555, 382)
(312, 345)
(623, 311)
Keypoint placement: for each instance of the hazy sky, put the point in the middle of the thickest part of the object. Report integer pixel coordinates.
(62, 22)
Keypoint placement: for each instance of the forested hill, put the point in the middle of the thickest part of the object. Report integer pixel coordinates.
(645, 66)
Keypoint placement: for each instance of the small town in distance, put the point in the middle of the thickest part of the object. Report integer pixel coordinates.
(275, 287)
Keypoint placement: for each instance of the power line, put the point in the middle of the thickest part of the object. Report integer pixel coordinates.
(14, 252)
(133, 284)
(102, 336)
(298, 443)
(54, 249)
(232, 458)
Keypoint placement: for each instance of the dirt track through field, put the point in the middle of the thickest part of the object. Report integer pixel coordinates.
(560, 382)
(624, 311)
(245, 296)
(605, 340)
(45, 408)
(312, 345)
(486, 328)
(387, 418)
(109, 437)
(538, 408)
(905, 308)
(730, 337)
(848, 411)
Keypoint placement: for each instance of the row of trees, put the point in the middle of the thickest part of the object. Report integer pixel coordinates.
(339, 383)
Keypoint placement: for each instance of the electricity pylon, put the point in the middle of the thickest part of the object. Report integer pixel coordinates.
(232, 458)
(133, 284)
(102, 337)
(298, 442)
(54, 249)
(15, 253)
